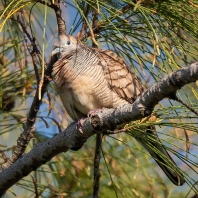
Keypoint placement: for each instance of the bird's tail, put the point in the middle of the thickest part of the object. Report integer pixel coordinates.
(161, 156)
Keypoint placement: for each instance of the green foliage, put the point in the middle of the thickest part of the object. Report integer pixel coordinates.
(155, 38)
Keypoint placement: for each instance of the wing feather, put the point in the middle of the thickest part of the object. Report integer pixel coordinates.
(119, 77)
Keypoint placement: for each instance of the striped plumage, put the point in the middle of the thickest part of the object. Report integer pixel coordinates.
(89, 79)
(83, 75)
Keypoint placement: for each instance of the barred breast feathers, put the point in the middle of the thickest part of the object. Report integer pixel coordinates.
(75, 63)
(85, 59)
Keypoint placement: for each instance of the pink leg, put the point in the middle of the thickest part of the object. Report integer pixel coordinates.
(80, 122)
(95, 111)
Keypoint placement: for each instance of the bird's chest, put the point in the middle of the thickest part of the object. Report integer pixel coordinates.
(79, 96)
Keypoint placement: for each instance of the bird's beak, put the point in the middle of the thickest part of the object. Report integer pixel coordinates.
(57, 51)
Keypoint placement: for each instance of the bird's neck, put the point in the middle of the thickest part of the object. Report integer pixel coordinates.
(83, 57)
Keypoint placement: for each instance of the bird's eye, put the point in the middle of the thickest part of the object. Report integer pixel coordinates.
(68, 42)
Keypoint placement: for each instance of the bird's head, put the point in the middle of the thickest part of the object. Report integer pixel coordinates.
(63, 45)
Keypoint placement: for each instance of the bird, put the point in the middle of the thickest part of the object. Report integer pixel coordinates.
(90, 78)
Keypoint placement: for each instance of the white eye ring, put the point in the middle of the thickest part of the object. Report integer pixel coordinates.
(68, 43)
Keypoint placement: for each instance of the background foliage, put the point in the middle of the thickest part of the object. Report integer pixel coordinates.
(155, 38)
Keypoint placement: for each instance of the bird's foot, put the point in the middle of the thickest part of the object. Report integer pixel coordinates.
(80, 124)
(95, 112)
(95, 119)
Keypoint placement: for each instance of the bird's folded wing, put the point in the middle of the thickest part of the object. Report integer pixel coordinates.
(119, 77)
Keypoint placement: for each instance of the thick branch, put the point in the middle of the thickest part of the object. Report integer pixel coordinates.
(107, 119)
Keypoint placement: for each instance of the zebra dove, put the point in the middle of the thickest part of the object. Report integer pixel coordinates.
(88, 79)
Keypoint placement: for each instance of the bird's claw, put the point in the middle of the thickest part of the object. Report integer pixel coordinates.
(95, 112)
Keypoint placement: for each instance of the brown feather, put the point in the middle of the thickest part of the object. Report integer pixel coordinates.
(119, 77)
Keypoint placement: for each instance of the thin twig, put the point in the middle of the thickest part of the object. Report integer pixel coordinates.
(50, 104)
(57, 124)
(187, 143)
(35, 187)
(97, 156)
(96, 30)
(56, 191)
(174, 97)
(97, 174)
(34, 51)
(43, 119)
(81, 34)
(28, 131)
(95, 24)
(54, 120)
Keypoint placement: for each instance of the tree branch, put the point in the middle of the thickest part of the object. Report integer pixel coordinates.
(97, 28)
(105, 120)
(59, 17)
(28, 131)
(97, 173)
